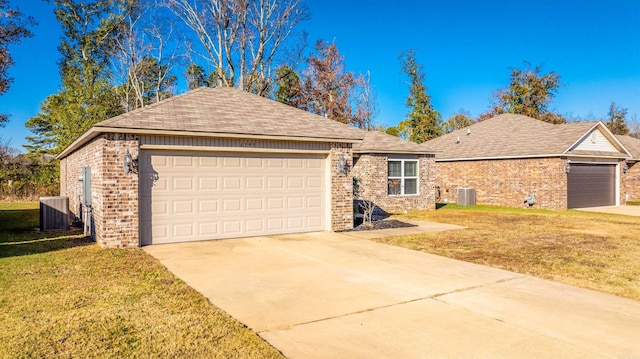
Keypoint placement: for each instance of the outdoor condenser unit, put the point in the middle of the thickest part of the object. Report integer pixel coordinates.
(466, 196)
(54, 213)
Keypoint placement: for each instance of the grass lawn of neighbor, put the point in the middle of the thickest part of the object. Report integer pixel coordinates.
(590, 250)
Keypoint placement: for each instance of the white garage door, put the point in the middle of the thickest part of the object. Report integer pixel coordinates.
(191, 196)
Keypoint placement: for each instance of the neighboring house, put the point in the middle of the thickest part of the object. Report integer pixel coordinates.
(630, 183)
(509, 159)
(396, 175)
(218, 163)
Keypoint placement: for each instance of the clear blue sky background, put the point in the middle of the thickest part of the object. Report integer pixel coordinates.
(467, 48)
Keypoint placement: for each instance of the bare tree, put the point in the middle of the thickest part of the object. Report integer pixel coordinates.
(366, 105)
(459, 120)
(361, 203)
(241, 37)
(634, 126)
(147, 54)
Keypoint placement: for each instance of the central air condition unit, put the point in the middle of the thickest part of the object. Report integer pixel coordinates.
(466, 197)
(54, 213)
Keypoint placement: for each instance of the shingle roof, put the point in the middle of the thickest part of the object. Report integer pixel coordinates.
(510, 135)
(227, 110)
(632, 144)
(380, 142)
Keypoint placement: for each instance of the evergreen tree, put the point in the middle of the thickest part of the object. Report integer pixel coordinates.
(289, 86)
(423, 121)
(86, 96)
(529, 93)
(196, 77)
(617, 120)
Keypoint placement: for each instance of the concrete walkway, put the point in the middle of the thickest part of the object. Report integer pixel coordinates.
(626, 210)
(333, 295)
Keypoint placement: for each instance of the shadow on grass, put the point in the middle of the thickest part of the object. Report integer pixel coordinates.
(42, 245)
(19, 220)
(441, 205)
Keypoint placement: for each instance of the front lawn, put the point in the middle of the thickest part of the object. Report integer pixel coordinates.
(63, 296)
(590, 250)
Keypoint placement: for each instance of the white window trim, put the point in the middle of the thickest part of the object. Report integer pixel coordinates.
(402, 177)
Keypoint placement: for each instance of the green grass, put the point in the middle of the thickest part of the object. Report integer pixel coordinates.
(633, 203)
(63, 296)
(591, 250)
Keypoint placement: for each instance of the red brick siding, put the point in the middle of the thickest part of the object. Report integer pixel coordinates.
(119, 193)
(630, 183)
(372, 171)
(114, 194)
(341, 188)
(71, 170)
(506, 182)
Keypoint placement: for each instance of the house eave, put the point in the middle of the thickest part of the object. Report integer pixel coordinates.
(393, 152)
(566, 155)
(96, 131)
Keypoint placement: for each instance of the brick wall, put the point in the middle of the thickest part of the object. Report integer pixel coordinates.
(630, 183)
(114, 194)
(372, 171)
(506, 182)
(71, 169)
(341, 188)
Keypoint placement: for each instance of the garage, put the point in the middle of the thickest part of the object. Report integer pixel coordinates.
(591, 185)
(191, 196)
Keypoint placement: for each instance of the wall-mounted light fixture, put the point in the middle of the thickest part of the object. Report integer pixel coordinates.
(567, 168)
(625, 168)
(130, 165)
(342, 165)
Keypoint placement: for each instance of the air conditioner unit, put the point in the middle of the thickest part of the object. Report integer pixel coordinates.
(466, 197)
(54, 213)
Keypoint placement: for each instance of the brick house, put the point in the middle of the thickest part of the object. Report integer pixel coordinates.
(510, 159)
(396, 175)
(215, 163)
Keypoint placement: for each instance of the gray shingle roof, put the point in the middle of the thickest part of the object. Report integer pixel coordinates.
(380, 142)
(227, 110)
(632, 144)
(510, 135)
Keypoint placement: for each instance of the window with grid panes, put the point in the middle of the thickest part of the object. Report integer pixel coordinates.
(402, 177)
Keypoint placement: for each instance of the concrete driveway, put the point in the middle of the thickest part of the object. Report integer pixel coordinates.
(331, 295)
(626, 210)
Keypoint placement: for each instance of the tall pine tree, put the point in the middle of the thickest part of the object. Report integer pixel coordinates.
(86, 96)
(423, 121)
(617, 120)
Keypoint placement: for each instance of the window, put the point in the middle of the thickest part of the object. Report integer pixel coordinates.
(402, 177)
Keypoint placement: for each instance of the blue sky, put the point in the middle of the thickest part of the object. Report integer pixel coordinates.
(467, 49)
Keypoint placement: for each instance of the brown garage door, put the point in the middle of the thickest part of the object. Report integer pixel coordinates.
(191, 196)
(590, 185)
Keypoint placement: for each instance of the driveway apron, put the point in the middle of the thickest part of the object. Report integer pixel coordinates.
(332, 295)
